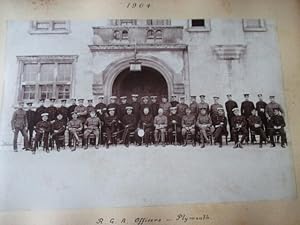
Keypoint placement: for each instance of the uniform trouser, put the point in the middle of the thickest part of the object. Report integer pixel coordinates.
(125, 135)
(203, 132)
(236, 132)
(89, 131)
(178, 134)
(109, 133)
(146, 138)
(55, 137)
(260, 132)
(30, 131)
(230, 127)
(185, 131)
(71, 132)
(162, 133)
(219, 131)
(24, 134)
(282, 134)
(38, 137)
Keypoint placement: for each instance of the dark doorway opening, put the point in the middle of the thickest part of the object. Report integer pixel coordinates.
(146, 82)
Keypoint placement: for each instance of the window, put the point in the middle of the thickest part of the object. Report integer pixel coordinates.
(254, 25)
(158, 34)
(158, 22)
(50, 27)
(124, 34)
(126, 22)
(200, 25)
(46, 77)
(150, 34)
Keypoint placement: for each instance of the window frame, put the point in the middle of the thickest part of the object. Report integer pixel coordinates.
(51, 28)
(261, 28)
(205, 28)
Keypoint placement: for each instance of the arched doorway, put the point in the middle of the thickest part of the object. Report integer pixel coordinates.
(146, 82)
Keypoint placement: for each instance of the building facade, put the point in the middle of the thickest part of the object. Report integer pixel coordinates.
(66, 59)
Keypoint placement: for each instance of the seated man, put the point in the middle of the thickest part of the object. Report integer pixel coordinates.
(146, 123)
(74, 127)
(256, 125)
(160, 125)
(42, 130)
(58, 129)
(277, 124)
(188, 126)
(129, 122)
(239, 126)
(220, 124)
(91, 126)
(111, 125)
(204, 124)
(174, 124)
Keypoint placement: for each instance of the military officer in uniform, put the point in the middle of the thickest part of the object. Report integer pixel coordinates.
(202, 104)
(160, 125)
(188, 126)
(90, 107)
(52, 111)
(40, 110)
(146, 123)
(246, 107)
(101, 108)
(31, 120)
(214, 107)
(270, 111)
(113, 104)
(19, 124)
(42, 130)
(174, 101)
(277, 124)
(220, 126)
(74, 128)
(122, 106)
(145, 104)
(181, 107)
(111, 125)
(58, 129)
(194, 106)
(261, 112)
(91, 126)
(174, 124)
(256, 125)
(230, 104)
(136, 105)
(129, 122)
(63, 110)
(239, 126)
(165, 105)
(71, 108)
(154, 105)
(81, 111)
(204, 123)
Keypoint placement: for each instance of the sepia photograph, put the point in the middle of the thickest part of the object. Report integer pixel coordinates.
(143, 112)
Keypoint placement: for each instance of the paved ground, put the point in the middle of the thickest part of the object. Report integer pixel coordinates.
(139, 176)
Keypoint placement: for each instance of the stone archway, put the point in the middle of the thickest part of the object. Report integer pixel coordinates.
(112, 71)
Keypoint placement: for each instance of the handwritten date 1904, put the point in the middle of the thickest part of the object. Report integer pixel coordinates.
(136, 5)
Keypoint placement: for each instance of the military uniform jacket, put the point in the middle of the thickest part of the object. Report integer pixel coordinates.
(181, 107)
(204, 105)
(204, 120)
(31, 118)
(39, 111)
(230, 105)
(271, 106)
(136, 108)
(145, 106)
(220, 119)
(146, 121)
(122, 109)
(188, 120)
(111, 121)
(252, 120)
(116, 106)
(166, 107)
(214, 108)
(58, 125)
(89, 109)
(71, 109)
(75, 123)
(261, 109)
(161, 120)
(277, 120)
(129, 120)
(176, 118)
(174, 103)
(81, 111)
(43, 126)
(64, 112)
(246, 108)
(154, 108)
(194, 108)
(19, 119)
(52, 111)
(92, 123)
(238, 120)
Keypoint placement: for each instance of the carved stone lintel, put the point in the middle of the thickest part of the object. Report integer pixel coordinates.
(115, 47)
(48, 58)
(229, 52)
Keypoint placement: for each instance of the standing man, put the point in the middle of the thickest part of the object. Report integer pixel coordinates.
(63, 110)
(123, 105)
(31, 120)
(101, 108)
(90, 107)
(246, 107)
(230, 105)
(270, 109)
(174, 124)
(129, 122)
(194, 106)
(145, 104)
(174, 101)
(239, 126)
(19, 124)
(91, 126)
(113, 104)
(136, 105)
(52, 111)
(261, 112)
(214, 107)
(40, 110)
(165, 105)
(81, 111)
(188, 126)
(160, 125)
(202, 104)
(71, 108)
(181, 107)
(154, 106)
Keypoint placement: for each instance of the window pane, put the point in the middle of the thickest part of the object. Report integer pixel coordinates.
(47, 72)
(28, 92)
(63, 91)
(198, 23)
(46, 91)
(59, 25)
(30, 72)
(64, 72)
(253, 23)
(42, 25)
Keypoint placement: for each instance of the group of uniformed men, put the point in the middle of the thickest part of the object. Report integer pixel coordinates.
(148, 121)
